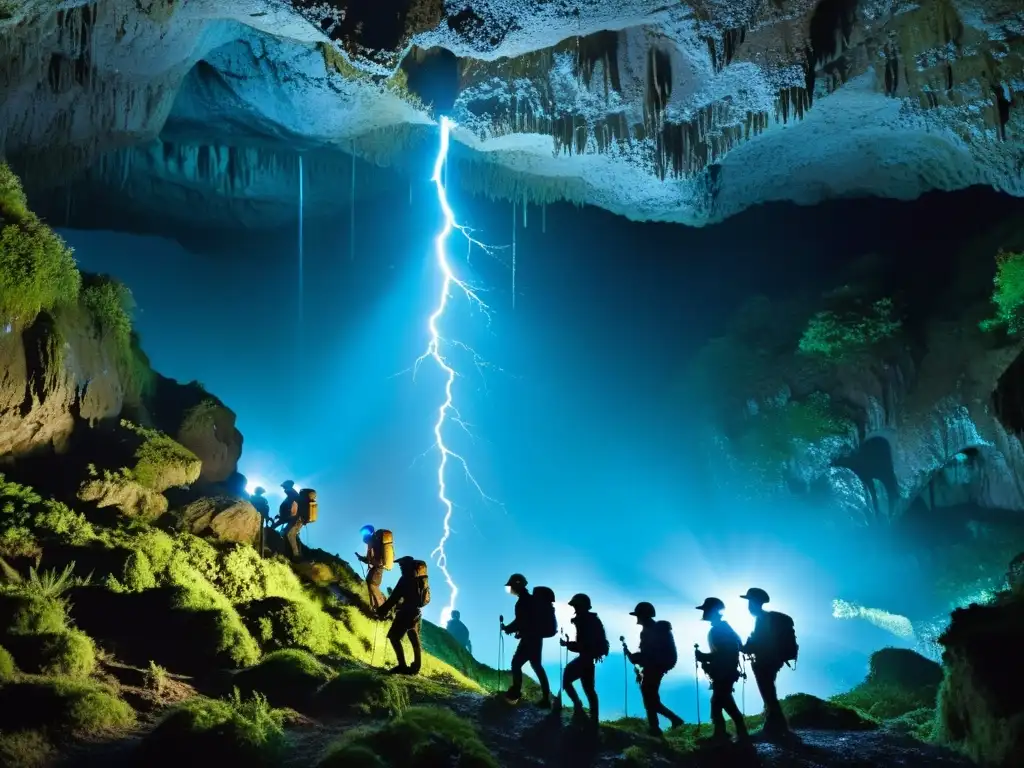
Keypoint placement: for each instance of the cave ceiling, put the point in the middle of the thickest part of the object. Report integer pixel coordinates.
(199, 110)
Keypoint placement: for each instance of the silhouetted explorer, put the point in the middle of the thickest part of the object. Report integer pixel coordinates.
(301, 511)
(284, 512)
(657, 656)
(409, 597)
(459, 631)
(380, 557)
(722, 665)
(772, 644)
(591, 644)
(531, 625)
(261, 505)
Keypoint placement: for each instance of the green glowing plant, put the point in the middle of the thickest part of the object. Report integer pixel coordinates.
(1008, 294)
(835, 334)
(770, 436)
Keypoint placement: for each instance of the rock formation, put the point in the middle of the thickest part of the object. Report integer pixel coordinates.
(682, 112)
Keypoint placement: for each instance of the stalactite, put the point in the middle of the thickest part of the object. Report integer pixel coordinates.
(524, 209)
(514, 221)
(544, 219)
(599, 47)
(659, 87)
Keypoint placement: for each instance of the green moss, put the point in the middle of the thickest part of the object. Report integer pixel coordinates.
(24, 612)
(446, 649)
(980, 709)
(1008, 294)
(918, 723)
(805, 711)
(351, 755)
(288, 678)
(838, 334)
(137, 576)
(26, 749)
(37, 269)
(110, 305)
(69, 653)
(7, 666)
(160, 462)
(62, 705)
(205, 731)
(421, 737)
(280, 623)
(770, 436)
(26, 519)
(899, 681)
(364, 692)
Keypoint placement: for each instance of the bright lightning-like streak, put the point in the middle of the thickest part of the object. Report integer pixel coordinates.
(434, 351)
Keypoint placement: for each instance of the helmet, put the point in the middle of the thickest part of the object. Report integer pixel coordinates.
(756, 595)
(260, 490)
(516, 580)
(711, 605)
(288, 484)
(456, 615)
(580, 601)
(366, 533)
(405, 561)
(643, 611)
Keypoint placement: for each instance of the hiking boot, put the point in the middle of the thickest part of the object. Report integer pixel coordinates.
(544, 703)
(399, 669)
(676, 722)
(717, 739)
(513, 695)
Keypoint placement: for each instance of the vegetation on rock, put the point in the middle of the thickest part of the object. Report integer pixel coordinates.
(421, 737)
(900, 682)
(37, 269)
(775, 430)
(203, 731)
(360, 691)
(1008, 294)
(160, 462)
(980, 709)
(288, 678)
(852, 325)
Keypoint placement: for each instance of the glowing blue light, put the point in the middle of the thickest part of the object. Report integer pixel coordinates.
(447, 409)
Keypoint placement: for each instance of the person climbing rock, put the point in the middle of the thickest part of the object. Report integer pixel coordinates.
(591, 644)
(408, 599)
(722, 665)
(459, 631)
(657, 656)
(526, 626)
(284, 511)
(379, 557)
(772, 644)
(260, 503)
(303, 512)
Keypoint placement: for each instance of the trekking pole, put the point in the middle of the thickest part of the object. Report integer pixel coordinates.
(743, 694)
(696, 681)
(625, 676)
(501, 649)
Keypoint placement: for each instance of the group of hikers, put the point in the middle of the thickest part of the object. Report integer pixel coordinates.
(770, 646)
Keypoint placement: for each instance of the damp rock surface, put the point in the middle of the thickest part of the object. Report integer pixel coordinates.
(685, 112)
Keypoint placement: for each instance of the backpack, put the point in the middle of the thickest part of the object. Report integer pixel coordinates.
(545, 621)
(663, 646)
(308, 505)
(592, 638)
(783, 637)
(422, 582)
(384, 549)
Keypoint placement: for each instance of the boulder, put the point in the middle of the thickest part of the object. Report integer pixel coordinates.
(121, 491)
(200, 422)
(222, 517)
(52, 375)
